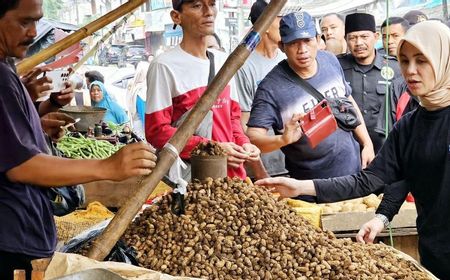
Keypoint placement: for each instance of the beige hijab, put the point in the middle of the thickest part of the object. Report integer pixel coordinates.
(432, 38)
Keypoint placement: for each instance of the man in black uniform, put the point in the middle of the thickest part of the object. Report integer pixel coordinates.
(368, 73)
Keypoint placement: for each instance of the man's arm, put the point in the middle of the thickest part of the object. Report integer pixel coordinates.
(268, 143)
(362, 135)
(43, 170)
(245, 116)
(238, 132)
(259, 171)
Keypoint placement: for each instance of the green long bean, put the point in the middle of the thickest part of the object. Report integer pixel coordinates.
(86, 148)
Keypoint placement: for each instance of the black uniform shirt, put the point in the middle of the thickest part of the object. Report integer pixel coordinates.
(368, 85)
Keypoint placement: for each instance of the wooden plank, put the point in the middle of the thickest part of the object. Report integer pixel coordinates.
(406, 244)
(349, 221)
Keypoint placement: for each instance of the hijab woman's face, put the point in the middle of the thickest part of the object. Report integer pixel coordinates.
(96, 93)
(417, 70)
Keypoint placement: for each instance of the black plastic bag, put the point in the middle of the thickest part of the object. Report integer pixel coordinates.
(66, 199)
(80, 243)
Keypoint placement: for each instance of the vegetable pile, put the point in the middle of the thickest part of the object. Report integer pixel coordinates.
(86, 148)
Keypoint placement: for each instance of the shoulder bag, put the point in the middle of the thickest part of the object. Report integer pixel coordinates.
(343, 110)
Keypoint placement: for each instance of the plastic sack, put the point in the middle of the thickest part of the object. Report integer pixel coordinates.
(119, 253)
(310, 211)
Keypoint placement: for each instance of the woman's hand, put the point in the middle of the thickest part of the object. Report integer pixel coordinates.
(287, 187)
(369, 231)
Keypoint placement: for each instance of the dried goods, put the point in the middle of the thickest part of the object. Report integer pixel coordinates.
(209, 148)
(78, 221)
(235, 231)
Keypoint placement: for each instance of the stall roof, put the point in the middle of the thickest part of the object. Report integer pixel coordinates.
(322, 7)
(46, 25)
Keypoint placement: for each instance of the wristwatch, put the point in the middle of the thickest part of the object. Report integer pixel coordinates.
(383, 218)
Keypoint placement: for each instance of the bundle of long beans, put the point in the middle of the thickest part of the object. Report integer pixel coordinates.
(86, 148)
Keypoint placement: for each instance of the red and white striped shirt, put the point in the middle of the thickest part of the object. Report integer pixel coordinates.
(175, 82)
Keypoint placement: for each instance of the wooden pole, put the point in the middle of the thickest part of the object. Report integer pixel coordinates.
(27, 64)
(101, 41)
(103, 244)
(445, 10)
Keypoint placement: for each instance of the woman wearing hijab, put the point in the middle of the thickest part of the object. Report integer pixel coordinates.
(417, 151)
(101, 98)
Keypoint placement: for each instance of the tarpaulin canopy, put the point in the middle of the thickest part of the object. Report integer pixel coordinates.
(48, 32)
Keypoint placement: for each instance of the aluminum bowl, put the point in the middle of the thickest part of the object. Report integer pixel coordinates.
(89, 116)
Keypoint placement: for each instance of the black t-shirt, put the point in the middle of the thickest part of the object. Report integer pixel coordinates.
(417, 151)
(25, 210)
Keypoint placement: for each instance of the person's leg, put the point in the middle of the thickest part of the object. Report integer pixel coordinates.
(11, 261)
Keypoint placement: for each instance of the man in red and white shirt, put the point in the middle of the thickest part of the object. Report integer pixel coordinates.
(177, 79)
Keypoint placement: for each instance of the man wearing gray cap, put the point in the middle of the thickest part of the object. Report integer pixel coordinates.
(280, 101)
(367, 71)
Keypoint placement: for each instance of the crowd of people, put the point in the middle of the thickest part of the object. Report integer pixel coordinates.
(401, 93)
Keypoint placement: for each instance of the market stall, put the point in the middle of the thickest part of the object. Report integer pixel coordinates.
(252, 235)
(228, 229)
(232, 230)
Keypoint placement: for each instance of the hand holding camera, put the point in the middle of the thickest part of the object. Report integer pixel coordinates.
(59, 79)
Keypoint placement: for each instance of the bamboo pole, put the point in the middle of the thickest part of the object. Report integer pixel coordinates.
(103, 244)
(27, 64)
(101, 41)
